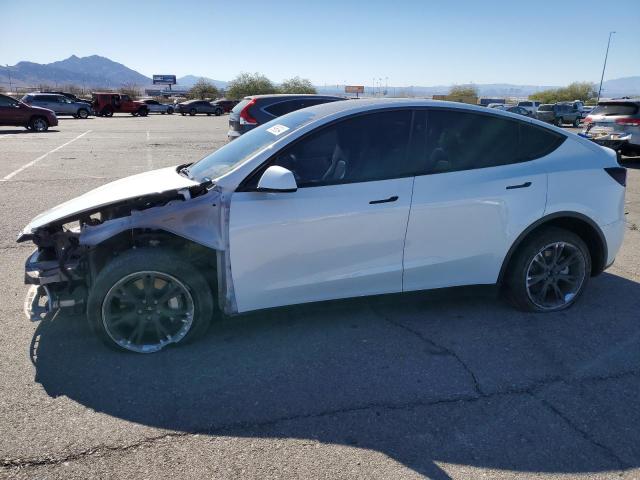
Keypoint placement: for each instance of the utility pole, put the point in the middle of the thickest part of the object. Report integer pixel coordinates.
(9, 72)
(605, 65)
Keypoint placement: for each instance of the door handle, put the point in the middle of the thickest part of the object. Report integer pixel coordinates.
(385, 200)
(522, 185)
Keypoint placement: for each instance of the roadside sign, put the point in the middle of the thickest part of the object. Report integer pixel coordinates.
(164, 79)
(354, 89)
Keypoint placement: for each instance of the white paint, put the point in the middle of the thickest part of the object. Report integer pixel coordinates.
(41, 157)
(149, 153)
(317, 243)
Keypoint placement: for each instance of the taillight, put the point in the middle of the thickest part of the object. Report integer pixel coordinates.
(619, 174)
(628, 122)
(588, 119)
(245, 116)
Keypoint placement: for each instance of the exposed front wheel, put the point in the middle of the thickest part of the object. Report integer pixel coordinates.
(39, 124)
(549, 272)
(559, 122)
(146, 299)
(83, 113)
(576, 122)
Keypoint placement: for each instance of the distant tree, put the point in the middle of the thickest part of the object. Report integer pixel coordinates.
(250, 84)
(202, 90)
(2, 89)
(576, 91)
(297, 85)
(44, 87)
(131, 89)
(463, 91)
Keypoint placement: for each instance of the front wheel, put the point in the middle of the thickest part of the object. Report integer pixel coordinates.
(192, 112)
(576, 122)
(83, 113)
(170, 111)
(559, 122)
(143, 112)
(39, 124)
(146, 299)
(549, 272)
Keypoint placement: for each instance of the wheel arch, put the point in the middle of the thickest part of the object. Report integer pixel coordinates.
(575, 222)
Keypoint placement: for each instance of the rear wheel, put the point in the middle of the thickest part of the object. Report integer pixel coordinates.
(192, 112)
(549, 271)
(39, 124)
(146, 299)
(143, 112)
(576, 122)
(170, 111)
(218, 112)
(107, 112)
(559, 122)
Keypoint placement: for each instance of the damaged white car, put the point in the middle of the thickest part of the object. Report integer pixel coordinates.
(339, 200)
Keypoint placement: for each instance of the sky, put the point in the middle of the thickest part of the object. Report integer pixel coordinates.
(402, 42)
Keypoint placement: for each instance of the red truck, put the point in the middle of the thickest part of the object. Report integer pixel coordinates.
(105, 104)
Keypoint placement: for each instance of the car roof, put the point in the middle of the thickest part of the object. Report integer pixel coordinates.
(290, 95)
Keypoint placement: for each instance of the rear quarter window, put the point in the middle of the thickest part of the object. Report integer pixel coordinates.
(536, 142)
(615, 109)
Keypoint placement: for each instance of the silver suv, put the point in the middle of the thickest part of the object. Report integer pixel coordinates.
(58, 103)
(616, 124)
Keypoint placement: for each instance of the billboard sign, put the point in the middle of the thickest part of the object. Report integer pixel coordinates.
(354, 89)
(164, 79)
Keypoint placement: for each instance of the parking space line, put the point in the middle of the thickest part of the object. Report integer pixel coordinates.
(33, 162)
(149, 154)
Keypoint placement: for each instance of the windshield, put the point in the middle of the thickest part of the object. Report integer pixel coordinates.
(616, 108)
(232, 154)
(546, 108)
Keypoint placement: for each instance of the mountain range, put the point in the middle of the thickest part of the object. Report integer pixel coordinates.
(95, 71)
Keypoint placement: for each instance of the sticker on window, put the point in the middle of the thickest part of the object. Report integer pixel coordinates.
(277, 129)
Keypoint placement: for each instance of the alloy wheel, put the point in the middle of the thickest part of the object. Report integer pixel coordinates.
(145, 311)
(555, 275)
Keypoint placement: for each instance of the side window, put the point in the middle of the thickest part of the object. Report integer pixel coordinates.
(364, 148)
(282, 108)
(464, 141)
(6, 101)
(536, 142)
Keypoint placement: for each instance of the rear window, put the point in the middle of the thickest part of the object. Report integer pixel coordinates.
(525, 104)
(610, 109)
(546, 108)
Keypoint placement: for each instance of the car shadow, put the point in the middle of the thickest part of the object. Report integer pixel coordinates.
(25, 131)
(426, 378)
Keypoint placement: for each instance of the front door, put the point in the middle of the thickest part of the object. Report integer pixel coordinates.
(341, 234)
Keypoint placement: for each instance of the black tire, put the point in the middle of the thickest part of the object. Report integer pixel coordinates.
(143, 112)
(170, 111)
(192, 112)
(107, 112)
(208, 114)
(519, 268)
(576, 122)
(159, 261)
(82, 113)
(218, 112)
(38, 124)
(559, 122)
(182, 113)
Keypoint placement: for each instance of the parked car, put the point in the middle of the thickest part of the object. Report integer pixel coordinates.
(559, 114)
(519, 110)
(586, 110)
(14, 113)
(71, 97)
(224, 106)
(60, 104)
(155, 106)
(344, 199)
(193, 107)
(530, 105)
(498, 106)
(258, 109)
(105, 104)
(616, 124)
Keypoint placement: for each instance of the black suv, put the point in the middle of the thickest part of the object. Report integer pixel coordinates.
(559, 113)
(258, 109)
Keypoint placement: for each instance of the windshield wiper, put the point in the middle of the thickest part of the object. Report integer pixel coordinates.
(184, 171)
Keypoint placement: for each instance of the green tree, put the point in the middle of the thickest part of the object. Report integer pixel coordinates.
(463, 91)
(202, 90)
(297, 85)
(575, 91)
(250, 84)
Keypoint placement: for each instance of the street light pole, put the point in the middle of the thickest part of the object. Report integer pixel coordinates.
(605, 65)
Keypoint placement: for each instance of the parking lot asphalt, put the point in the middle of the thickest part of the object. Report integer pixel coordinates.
(441, 385)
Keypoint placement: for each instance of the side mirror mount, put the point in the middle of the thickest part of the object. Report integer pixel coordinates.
(277, 179)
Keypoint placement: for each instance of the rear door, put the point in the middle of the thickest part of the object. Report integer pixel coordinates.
(341, 234)
(480, 187)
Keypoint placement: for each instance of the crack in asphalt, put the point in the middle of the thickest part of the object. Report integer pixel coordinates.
(18, 463)
(441, 348)
(583, 433)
